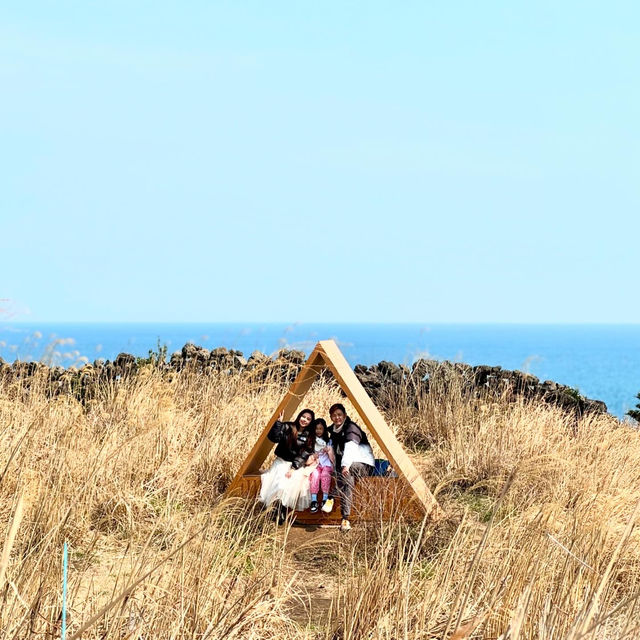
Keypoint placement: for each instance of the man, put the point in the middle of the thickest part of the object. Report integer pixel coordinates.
(354, 457)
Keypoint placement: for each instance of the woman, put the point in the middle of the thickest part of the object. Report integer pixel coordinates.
(287, 479)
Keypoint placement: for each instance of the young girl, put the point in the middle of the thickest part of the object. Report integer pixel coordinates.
(287, 479)
(321, 476)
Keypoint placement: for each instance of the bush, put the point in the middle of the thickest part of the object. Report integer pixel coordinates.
(635, 413)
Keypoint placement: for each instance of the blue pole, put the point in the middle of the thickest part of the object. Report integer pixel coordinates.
(64, 591)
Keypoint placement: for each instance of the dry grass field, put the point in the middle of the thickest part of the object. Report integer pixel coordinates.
(538, 540)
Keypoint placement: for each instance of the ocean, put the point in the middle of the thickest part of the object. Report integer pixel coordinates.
(601, 361)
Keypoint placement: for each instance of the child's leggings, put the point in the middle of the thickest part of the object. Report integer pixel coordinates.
(320, 477)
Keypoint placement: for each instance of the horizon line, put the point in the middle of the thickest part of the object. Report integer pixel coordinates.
(329, 322)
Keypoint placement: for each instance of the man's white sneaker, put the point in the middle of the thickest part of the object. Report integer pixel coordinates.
(345, 525)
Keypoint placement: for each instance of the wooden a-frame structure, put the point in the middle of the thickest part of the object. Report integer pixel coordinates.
(375, 496)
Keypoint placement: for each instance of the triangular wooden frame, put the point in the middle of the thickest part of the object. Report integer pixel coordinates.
(326, 354)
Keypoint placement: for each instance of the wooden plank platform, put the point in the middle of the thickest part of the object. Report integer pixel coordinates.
(375, 498)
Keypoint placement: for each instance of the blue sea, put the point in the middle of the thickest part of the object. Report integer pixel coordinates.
(601, 361)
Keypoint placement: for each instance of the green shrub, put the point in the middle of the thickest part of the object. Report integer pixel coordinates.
(635, 413)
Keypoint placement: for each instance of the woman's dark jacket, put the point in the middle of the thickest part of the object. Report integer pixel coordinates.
(350, 432)
(298, 452)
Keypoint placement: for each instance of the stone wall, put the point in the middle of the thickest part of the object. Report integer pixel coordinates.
(386, 382)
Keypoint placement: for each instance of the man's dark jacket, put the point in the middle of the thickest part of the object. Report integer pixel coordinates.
(350, 432)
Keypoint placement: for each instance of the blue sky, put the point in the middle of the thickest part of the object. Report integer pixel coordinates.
(222, 161)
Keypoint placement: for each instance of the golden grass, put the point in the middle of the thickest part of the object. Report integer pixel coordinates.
(539, 539)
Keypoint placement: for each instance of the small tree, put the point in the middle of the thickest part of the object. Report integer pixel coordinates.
(635, 413)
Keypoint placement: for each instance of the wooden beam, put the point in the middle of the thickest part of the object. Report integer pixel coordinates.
(376, 424)
(288, 406)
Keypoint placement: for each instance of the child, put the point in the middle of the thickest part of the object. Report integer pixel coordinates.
(320, 477)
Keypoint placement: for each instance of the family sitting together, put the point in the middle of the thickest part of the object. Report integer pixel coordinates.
(307, 453)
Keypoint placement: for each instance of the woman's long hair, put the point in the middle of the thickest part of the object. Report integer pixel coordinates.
(297, 420)
(291, 439)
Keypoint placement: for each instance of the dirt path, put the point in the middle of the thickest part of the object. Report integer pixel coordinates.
(311, 559)
(312, 552)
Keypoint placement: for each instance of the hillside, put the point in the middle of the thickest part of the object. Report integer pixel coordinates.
(537, 542)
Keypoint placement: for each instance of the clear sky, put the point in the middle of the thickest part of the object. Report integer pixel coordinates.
(330, 161)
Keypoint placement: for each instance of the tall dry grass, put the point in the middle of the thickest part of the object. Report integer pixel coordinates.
(538, 542)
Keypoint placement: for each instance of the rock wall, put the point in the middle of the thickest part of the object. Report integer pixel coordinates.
(386, 382)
